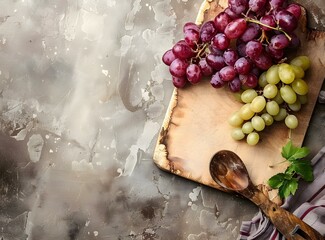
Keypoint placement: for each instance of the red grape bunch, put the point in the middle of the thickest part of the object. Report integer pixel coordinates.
(248, 37)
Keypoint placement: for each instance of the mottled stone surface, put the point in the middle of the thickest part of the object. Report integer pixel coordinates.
(83, 93)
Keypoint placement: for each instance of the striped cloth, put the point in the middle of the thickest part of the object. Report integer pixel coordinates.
(308, 204)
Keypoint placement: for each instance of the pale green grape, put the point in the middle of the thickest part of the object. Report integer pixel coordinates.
(258, 123)
(272, 74)
(291, 121)
(237, 96)
(247, 127)
(278, 98)
(262, 80)
(235, 120)
(286, 73)
(300, 86)
(295, 106)
(248, 95)
(270, 91)
(281, 115)
(268, 119)
(272, 108)
(253, 138)
(299, 72)
(245, 112)
(237, 134)
(288, 95)
(303, 99)
(258, 104)
(301, 61)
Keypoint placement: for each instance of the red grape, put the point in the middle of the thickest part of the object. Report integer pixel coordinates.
(251, 32)
(215, 61)
(227, 73)
(193, 73)
(275, 4)
(168, 57)
(178, 67)
(207, 31)
(256, 5)
(241, 48)
(230, 57)
(216, 81)
(243, 66)
(231, 14)
(279, 41)
(191, 26)
(179, 82)
(295, 9)
(263, 61)
(287, 21)
(295, 41)
(238, 6)
(220, 41)
(182, 50)
(249, 80)
(253, 49)
(276, 54)
(206, 69)
(269, 21)
(191, 37)
(221, 21)
(235, 85)
(235, 28)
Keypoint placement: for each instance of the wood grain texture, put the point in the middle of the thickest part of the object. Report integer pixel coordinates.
(195, 126)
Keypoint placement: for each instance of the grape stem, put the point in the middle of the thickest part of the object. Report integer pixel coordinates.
(201, 50)
(265, 25)
(278, 163)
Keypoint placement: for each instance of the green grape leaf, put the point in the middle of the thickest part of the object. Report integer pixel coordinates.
(299, 153)
(291, 153)
(287, 150)
(288, 187)
(303, 168)
(277, 180)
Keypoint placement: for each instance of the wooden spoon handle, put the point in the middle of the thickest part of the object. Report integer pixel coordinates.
(287, 223)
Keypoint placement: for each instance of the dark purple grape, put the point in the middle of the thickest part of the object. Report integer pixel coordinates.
(279, 41)
(179, 82)
(251, 32)
(216, 81)
(207, 31)
(235, 28)
(241, 48)
(192, 26)
(253, 49)
(269, 21)
(256, 71)
(243, 66)
(295, 41)
(220, 41)
(182, 50)
(215, 61)
(206, 69)
(256, 5)
(193, 73)
(276, 54)
(287, 21)
(230, 56)
(249, 80)
(231, 14)
(263, 61)
(227, 73)
(215, 50)
(191, 37)
(275, 4)
(238, 6)
(178, 67)
(235, 85)
(295, 9)
(221, 21)
(168, 57)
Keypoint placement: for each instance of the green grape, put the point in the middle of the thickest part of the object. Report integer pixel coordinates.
(303, 99)
(286, 73)
(291, 121)
(300, 86)
(268, 119)
(262, 80)
(237, 134)
(278, 98)
(248, 95)
(258, 123)
(270, 91)
(295, 106)
(253, 138)
(245, 112)
(237, 96)
(247, 127)
(301, 61)
(299, 72)
(258, 104)
(288, 95)
(272, 108)
(281, 115)
(272, 74)
(235, 120)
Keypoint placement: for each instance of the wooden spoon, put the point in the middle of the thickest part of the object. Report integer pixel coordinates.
(228, 170)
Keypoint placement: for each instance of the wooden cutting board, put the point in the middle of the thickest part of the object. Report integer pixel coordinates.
(195, 126)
